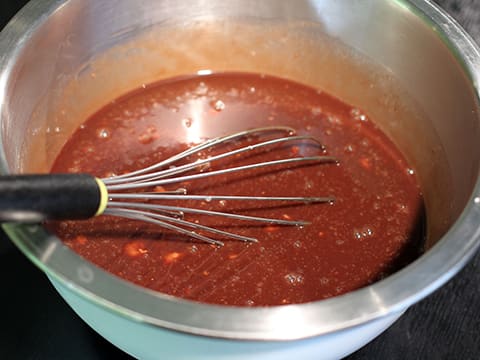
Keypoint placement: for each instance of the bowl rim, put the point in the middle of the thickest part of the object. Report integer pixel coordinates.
(288, 322)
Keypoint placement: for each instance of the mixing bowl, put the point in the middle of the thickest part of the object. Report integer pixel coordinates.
(406, 63)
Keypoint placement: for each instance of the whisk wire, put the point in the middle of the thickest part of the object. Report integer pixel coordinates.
(208, 198)
(198, 164)
(132, 204)
(154, 219)
(159, 182)
(202, 146)
(161, 207)
(154, 216)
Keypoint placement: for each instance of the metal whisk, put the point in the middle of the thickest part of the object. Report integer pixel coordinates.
(35, 198)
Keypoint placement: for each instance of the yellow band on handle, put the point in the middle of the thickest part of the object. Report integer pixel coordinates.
(103, 197)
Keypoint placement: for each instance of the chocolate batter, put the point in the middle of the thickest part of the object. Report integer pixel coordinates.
(374, 227)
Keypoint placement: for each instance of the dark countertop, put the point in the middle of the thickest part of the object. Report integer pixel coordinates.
(37, 324)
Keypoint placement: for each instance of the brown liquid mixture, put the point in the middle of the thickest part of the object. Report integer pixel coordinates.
(374, 227)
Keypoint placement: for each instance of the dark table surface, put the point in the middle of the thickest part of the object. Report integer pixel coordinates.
(37, 324)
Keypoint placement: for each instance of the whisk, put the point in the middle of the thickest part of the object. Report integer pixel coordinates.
(36, 198)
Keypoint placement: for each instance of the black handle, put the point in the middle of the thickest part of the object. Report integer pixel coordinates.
(34, 198)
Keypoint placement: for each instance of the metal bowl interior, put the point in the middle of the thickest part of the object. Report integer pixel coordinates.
(407, 63)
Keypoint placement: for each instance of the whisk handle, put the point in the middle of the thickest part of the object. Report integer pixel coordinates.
(34, 198)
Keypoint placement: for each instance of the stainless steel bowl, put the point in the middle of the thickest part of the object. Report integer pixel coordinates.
(406, 62)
